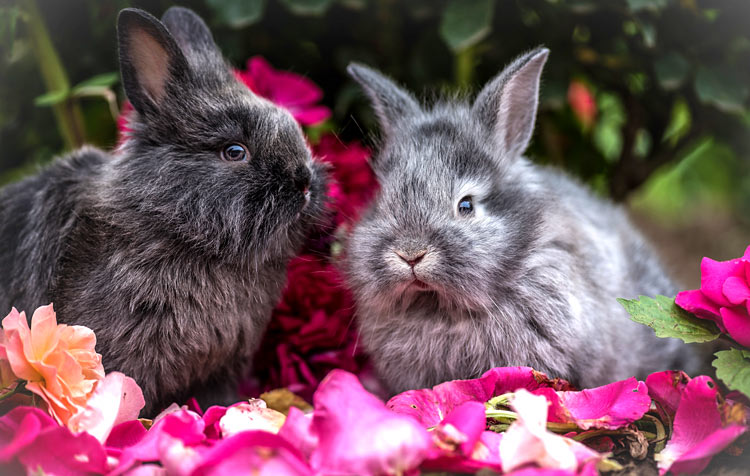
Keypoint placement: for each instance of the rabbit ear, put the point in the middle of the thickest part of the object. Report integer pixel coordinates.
(391, 102)
(150, 60)
(508, 103)
(193, 36)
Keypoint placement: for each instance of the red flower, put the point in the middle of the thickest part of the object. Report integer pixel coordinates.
(288, 90)
(354, 183)
(582, 102)
(311, 331)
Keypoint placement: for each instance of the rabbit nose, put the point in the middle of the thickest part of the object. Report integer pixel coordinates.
(411, 258)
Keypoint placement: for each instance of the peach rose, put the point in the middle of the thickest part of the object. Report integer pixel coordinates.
(58, 361)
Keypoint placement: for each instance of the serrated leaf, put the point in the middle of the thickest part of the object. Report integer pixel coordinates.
(104, 79)
(669, 320)
(237, 14)
(733, 368)
(671, 70)
(51, 98)
(307, 7)
(721, 88)
(466, 23)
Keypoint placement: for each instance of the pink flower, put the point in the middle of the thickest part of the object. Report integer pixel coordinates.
(288, 90)
(611, 406)
(58, 361)
(724, 296)
(430, 406)
(699, 432)
(354, 183)
(527, 441)
(31, 441)
(666, 388)
(115, 400)
(583, 103)
(357, 434)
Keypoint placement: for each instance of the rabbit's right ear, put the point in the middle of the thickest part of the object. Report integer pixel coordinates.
(391, 102)
(150, 60)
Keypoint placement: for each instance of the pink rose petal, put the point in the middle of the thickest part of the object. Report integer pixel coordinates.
(296, 430)
(697, 303)
(736, 290)
(610, 406)
(431, 405)
(359, 435)
(737, 322)
(666, 388)
(713, 276)
(698, 431)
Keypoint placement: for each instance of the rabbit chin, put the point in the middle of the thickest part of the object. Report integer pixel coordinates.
(420, 293)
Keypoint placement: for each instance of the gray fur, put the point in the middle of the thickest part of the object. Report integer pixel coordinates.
(174, 257)
(530, 279)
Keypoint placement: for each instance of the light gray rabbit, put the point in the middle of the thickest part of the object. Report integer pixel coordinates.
(472, 257)
(174, 248)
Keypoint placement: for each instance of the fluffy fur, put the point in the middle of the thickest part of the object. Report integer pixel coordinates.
(529, 277)
(173, 256)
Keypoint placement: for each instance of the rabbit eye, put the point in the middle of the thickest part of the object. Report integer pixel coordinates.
(235, 153)
(465, 206)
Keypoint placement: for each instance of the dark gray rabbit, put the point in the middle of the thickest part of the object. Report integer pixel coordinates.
(173, 249)
(472, 257)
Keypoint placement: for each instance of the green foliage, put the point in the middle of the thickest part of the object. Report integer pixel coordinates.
(733, 368)
(307, 7)
(237, 14)
(669, 320)
(723, 88)
(466, 23)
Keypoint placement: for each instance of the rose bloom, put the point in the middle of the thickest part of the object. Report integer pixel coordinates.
(58, 361)
(724, 296)
(582, 102)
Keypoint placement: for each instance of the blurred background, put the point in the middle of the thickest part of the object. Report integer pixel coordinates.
(645, 100)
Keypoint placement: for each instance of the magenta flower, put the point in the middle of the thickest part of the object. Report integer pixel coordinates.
(699, 432)
(724, 296)
(610, 407)
(430, 406)
(30, 438)
(357, 434)
(293, 92)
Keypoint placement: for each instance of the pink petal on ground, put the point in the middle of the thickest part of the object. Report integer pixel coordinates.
(116, 399)
(527, 441)
(610, 406)
(19, 428)
(431, 405)
(297, 431)
(58, 451)
(697, 303)
(698, 433)
(358, 434)
(125, 434)
(736, 290)
(666, 388)
(255, 452)
(250, 416)
(462, 427)
(737, 322)
(713, 275)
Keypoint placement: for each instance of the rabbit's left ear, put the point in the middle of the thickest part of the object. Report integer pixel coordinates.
(195, 39)
(508, 104)
(150, 60)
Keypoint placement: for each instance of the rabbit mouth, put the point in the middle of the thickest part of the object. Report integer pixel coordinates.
(420, 285)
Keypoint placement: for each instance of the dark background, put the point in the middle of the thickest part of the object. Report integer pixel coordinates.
(669, 81)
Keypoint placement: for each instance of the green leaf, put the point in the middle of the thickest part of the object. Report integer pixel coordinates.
(722, 88)
(733, 368)
(51, 98)
(671, 71)
(307, 7)
(679, 122)
(669, 320)
(104, 79)
(466, 23)
(237, 14)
